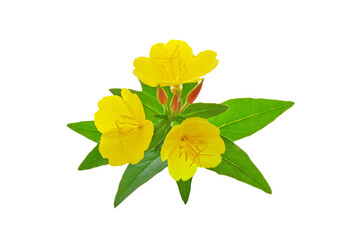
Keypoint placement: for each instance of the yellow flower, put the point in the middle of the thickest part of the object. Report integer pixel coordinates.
(126, 133)
(192, 144)
(173, 64)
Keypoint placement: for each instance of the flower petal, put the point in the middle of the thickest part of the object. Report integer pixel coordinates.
(183, 52)
(171, 140)
(133, 104)
(211, 156)
(200, 127)
(202, 64)
(179, 168)
(109, 110)
(120, 148)
(146, 72)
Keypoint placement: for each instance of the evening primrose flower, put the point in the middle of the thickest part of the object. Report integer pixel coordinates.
(126, 134)
(173, 64)
(192, 144)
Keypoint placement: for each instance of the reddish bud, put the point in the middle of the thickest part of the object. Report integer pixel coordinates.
(175, 104)
(179, 105)
(194, 93)
(162, 95)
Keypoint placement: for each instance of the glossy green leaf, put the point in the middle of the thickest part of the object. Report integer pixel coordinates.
(204, 110)
(160, 129)
(236, 164)
(161, 116)
(152, 91)
(178, 119)
(87, 129)
(150, 104)
(186, 89)
(246, 116)
(136, 175)
(93, 159)
(184, 189)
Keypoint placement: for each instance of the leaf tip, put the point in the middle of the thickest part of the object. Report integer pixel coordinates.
(185, 200)
(117, 202)
(268, 190)
(291, 103)
(115, 91)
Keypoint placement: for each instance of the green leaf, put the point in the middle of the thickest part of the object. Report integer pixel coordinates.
(160, 129)
(178, 119)
(151, 105)
(236, 164)
(204, 110)
(152, 91)
(184, 189)
(87, 129)
(136, 175)
(161, 116)
(186, 89)
(93, 159)
(248, 115)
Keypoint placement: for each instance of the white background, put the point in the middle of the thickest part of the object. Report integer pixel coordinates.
(58, 58)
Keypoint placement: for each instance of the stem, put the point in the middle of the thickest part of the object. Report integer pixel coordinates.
(165, 109)
(184, 107)
(172, 114)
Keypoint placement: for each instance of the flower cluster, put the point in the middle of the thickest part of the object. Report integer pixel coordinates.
(126, 134)
(161, 126)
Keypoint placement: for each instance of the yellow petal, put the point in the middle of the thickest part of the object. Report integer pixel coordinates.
(183, 52)
(121, 148)
(163, 58)
(145, 136)
(111, 147)
(146, 72)
(179, 168)
(160, 51)
(200, 127)
(211, 156)
(113, 109)
(171, 140)
(133, 104)
(109, 110)
(202, 64)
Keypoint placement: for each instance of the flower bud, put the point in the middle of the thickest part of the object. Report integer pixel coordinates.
(175, 104)
(162, 95)
(194, 93)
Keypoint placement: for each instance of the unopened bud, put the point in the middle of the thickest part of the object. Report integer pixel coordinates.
(194, 93)
(175, 88)
(175, 104)
(162, 95)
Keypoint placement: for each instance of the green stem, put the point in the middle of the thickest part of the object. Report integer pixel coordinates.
(172, 115)
(165, 109)
(184, 107)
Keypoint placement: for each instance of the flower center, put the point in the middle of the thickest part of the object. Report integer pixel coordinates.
(127, 125)
(192, 148)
